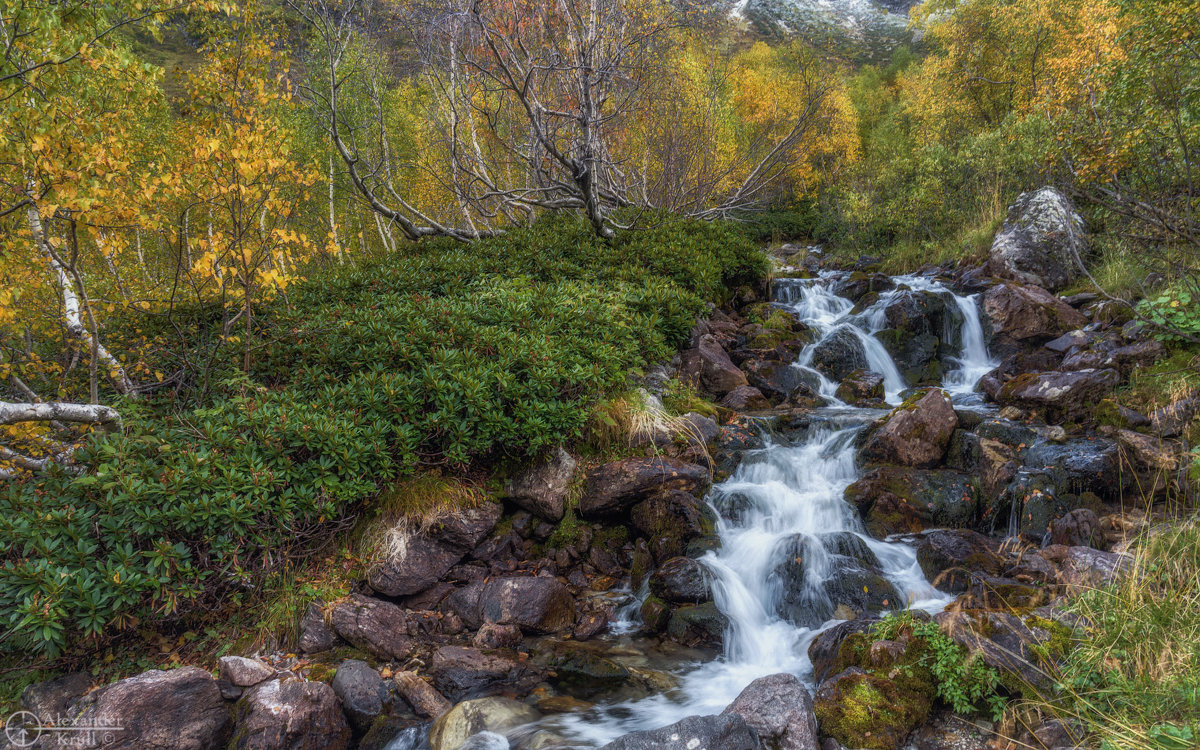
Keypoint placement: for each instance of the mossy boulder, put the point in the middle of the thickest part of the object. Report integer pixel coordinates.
(870, 711)
(698, 625)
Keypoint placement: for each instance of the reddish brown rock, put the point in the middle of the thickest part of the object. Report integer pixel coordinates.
(613, 487)
(914, 434)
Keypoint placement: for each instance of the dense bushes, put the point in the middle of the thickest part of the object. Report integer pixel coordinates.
(441, 354)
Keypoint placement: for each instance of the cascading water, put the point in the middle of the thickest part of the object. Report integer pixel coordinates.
(791, 494)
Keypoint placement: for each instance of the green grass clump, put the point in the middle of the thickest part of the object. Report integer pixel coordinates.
(1133, 679)
(439, 355)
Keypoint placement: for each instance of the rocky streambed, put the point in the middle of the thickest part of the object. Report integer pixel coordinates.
(942, 443)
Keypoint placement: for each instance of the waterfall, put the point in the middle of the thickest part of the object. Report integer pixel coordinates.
(790, 494)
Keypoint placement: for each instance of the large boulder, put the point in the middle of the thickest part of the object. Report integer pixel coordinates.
(840, 353)
(721, 732)
(414, 562)
(1028, 314)
(536, 604)
(418, 558)
(157, 710)
(375, 626)
(288, 714)
(745, 398)
(670, 521)
(920, 331)
(361, 691)
(460, 673)
(709, 366)
(1079, 465)
(55, 697)
(542, 488)
(680, 580)
(818, 576)
(1062, 395)
(452, 730)
(1042, 241)
(825, 650)
(775, 379)
(613, 487)
(915, 433)
(869, 711)
(948, 557)
(895, 499)
(698, 625)
(780, 710)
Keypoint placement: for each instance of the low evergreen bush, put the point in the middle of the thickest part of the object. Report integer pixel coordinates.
(441, 354)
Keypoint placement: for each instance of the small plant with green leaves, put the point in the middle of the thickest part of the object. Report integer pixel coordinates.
(963, 680)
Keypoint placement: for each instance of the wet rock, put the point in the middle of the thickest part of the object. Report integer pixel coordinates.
(613, 487)
(55, 697)
(1079, 465)
(895, 499)
(374, 626)
(422, 697)
(847, 576)
(1080, 527)
(824, 650)
(780, 710)
(1062, 395)
(698, 625)
(584, 672)
(542, 488)
(670, 521)
(722, 732)
(655, 615)
(288, 714)
(709, 366)
(921, 328)
(535, 604)
(414, 563)
(915, 433)
(775, 380)
(839, 354)
(861, 388)
(869, 711)
(745, 398)
(361, 691)
(452, 730)
(243, 672)
(315, 634)
(156, 710)
(948, 557)
(396, 731)
(1028, 314)
(1041, 242)
(680, 580)
(859, 284)
(460, 673)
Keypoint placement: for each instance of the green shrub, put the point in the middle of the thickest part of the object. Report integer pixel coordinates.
(443, 354)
